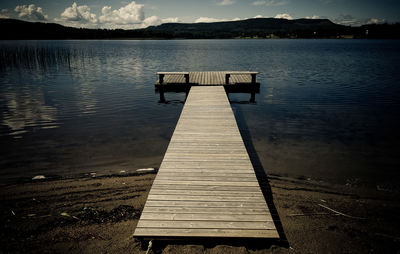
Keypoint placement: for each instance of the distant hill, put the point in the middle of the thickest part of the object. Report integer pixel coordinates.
(250, 28)
(260, 27)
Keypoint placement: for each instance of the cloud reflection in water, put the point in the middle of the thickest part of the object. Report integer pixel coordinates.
(25, 109)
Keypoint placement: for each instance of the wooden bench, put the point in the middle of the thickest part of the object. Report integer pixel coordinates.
(162, 74)
(252, 73)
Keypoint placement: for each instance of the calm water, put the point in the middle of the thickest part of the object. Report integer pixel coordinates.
(327, 110)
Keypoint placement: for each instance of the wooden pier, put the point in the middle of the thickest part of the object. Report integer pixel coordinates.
(206, 186)
(207, 78)
(232, 81)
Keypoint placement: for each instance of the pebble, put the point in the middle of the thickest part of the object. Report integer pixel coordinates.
(38, 177)
(145, 169)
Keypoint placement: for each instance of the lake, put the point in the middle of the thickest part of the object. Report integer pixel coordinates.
(327, 110)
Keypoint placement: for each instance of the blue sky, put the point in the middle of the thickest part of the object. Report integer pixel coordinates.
(142, 13)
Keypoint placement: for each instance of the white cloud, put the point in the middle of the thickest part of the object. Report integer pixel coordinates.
(375, 21)
(256, 3)
(313, 17)
(226, 2)
(345, 19)
(151, 21)
(129, 14)
(270, 3)
(156, 21)
(259, 17)
(171, 20)
(78, 15)
(349, 20)
(283, 16)
(207, 20)
(210, 20)
(31, 12)
(5, 14)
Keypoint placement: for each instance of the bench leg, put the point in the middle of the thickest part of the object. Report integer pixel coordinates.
(187, 78)
(161, 80)
(253, 78)
(227, 76)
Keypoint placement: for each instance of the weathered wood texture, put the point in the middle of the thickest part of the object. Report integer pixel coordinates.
(206, 78)
(206, 185)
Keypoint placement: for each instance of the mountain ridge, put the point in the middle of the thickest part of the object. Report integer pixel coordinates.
(249, 28)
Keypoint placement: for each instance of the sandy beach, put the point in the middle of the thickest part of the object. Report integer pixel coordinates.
(99, 214)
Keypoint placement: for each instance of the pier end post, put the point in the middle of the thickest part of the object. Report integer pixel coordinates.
(253, 78)
(187, 78)
(161, 79)
(227, 76)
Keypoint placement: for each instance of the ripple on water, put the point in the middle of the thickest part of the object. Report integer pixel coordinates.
(68, 107)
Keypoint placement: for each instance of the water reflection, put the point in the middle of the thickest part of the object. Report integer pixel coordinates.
(326, 108)
(26, 108)
(85, 85)
(87, 103)
(33, 57)
(31, 72)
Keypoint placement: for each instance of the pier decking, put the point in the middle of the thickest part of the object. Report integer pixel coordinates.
(207, 78)
(206, 185)
(233, 81)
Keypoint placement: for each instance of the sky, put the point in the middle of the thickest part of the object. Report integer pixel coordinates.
(144, 13)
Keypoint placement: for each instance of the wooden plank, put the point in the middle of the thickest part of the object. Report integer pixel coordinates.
(206, 178)
(206, 183)
(242, 72)
(202, 187)
(195, 76)
(198, 76)
(178, 197)
(208, 210)
(204, 165)
(206, 224)
(173, 73)
(171, 232)
(205, 193)
(207, 171)
(171, 173)
(191, 150)
(225, 160)
(203, 178)
(181, 79)
(205, 204)
(206, 217)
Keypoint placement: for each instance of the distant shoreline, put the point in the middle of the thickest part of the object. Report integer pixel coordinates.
(186, 39)
(260, 28)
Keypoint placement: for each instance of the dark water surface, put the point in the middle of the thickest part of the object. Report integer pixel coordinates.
(327, 110)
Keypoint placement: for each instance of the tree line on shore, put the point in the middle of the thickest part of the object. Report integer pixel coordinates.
(268, 28)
